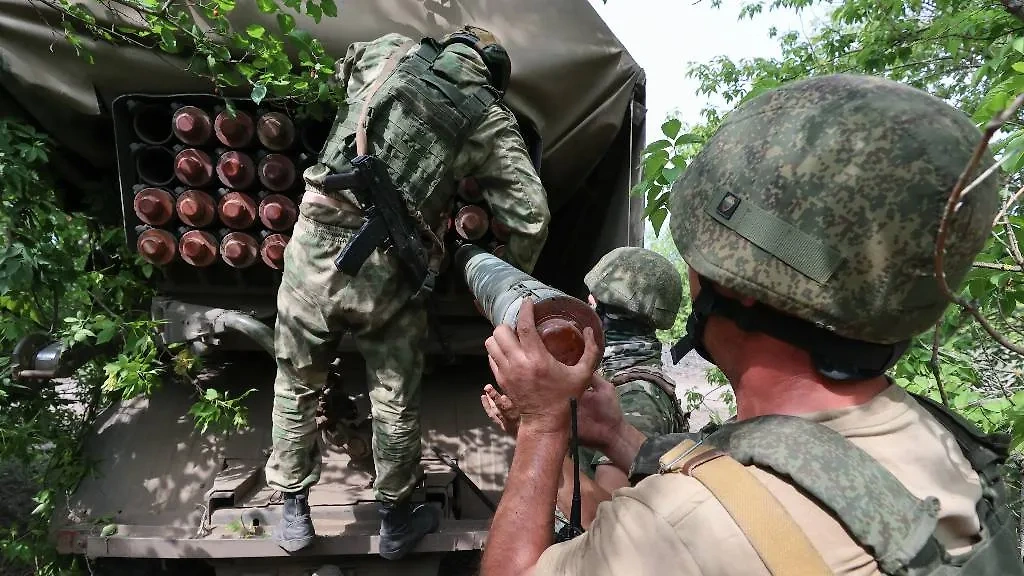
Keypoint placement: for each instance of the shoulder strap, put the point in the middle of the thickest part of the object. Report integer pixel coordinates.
(385, 73)
(876, 509)
(778, 540)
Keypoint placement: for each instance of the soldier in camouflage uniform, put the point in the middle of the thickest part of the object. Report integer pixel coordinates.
(635, 292)
(433, 115)
(809, 223)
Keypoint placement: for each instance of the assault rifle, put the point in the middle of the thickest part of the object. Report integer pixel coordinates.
(388, 223)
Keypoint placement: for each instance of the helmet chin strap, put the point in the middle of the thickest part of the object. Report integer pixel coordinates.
(834, 356)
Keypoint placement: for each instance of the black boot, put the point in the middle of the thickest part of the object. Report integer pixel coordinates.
(295, 531)
(402, 527)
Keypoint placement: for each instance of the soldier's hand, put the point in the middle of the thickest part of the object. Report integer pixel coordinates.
(501, 410)
(538, 384)
(600, 415)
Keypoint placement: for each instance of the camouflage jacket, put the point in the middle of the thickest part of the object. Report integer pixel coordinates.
(494, 153)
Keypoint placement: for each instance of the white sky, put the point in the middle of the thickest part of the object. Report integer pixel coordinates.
(664, 36)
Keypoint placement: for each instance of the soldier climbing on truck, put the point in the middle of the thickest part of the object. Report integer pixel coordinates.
(429, 113)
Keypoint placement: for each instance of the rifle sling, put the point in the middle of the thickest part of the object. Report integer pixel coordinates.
(389, 67)
(778, 540)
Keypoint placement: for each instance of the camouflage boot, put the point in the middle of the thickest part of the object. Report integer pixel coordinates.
(295, 531)
(402, 527)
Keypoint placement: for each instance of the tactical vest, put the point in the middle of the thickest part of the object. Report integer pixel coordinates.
(417, 123)
(657, 377)
(878, 512)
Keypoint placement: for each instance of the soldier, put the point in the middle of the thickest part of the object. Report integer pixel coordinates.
(809, 224)
(432, 112)
(635, 292)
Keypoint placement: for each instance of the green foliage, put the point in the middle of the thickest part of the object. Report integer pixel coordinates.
(256, 56)
(664, 161)
(65, 276)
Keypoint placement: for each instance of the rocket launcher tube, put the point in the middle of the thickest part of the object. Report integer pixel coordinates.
(501, 288)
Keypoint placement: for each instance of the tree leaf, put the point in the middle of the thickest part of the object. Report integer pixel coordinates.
(286, 22)
(314, 11)
(672, 127)
(211, 394)
(167, 40)
(255, 31)
(267, 6)
(259, 92)
(329, 7)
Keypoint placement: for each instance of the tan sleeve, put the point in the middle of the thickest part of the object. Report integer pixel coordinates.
(627, 537)
(495, 154)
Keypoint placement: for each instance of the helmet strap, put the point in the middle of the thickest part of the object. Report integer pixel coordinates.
(834, 357)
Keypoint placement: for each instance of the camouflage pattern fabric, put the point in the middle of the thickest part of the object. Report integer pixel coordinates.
(639, 281)
(426, 163)
(644, 404)
(822, 199)
(317, 304)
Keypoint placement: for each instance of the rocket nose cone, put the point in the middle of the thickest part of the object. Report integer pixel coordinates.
(562, 339)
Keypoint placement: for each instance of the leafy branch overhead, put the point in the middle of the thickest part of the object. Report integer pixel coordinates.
(230, 58)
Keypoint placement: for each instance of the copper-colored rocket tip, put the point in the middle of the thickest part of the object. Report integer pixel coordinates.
(275, 131)
(239, 249)
(469, 190)
(234, 132)
(563, 339)
(156, 246)
(471, 222)
(154, 206)
(272, 250)
(236, 170)
(196, 208)
(198, 248)
(193, 167)
(277, 172)
(278, 212)
(192, 125)
(237, 210)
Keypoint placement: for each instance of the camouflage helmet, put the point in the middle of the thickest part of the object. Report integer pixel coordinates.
(640, 281)
(822, 199)
(486, 43)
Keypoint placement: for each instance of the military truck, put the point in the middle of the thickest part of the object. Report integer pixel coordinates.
(177, 501)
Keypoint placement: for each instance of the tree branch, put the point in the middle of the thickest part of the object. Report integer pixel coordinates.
(995, 266)
(952, 205)
(934, 363)
(1015, 7)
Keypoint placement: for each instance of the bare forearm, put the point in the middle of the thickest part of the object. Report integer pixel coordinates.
(591, 494)
(521, 528)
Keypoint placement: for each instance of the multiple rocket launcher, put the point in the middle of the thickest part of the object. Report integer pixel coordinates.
(214, 204)
(210, 185)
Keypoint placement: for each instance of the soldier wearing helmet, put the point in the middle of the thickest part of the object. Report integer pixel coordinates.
(808, 222)
(635, 292)
(431, 113)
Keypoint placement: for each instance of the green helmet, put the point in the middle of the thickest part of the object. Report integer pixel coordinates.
(639, 281)
(822, 200)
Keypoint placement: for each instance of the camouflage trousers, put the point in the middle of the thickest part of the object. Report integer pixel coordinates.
(316, 306)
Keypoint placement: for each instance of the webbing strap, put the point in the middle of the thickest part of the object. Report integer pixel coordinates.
(778, 540)
(803, 252)
(385, 73)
